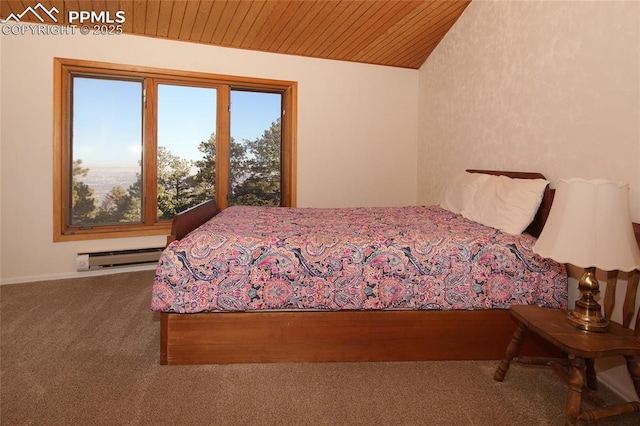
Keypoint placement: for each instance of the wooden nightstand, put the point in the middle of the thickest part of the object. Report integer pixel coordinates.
(582, 347)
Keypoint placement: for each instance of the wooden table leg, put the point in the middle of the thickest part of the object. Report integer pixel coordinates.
(512, 350)
(574, 396)
(634, 372)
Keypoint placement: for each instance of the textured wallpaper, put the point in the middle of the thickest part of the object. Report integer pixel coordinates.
(548, 86)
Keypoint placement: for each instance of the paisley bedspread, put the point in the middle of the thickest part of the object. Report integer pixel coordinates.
(419, 257)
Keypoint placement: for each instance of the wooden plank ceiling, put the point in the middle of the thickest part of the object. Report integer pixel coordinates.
(398, 33)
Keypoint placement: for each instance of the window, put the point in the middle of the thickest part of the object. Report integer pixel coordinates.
(133, 146)
(255, 163)
(106, 151)
(185, 158)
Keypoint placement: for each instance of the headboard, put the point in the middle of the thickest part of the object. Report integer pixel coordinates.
(535, 228)
(188, 220)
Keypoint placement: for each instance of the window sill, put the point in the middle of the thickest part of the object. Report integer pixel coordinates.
(92, 234)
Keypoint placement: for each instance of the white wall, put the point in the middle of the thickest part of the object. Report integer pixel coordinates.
(546, 86)
(357, 134)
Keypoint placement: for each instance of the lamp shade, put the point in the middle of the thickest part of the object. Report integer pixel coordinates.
(589, 225)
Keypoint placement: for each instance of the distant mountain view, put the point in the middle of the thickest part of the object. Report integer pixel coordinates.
(103, 178)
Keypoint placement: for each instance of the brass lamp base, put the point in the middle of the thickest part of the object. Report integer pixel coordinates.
(587, 314)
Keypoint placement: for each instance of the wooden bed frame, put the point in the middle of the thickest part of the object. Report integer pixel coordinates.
(283, 336)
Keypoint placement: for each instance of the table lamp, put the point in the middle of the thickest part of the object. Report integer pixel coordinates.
(589, 226)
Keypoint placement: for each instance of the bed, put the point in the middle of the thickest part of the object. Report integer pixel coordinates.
(255, 284)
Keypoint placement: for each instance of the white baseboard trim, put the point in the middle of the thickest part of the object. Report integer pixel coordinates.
(30, 279)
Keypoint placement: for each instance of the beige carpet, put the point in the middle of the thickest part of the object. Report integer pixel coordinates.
(85, 352)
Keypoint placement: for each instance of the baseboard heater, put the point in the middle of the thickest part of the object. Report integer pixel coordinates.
(117, 258)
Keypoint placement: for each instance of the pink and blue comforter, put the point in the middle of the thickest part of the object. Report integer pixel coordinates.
(257, 258)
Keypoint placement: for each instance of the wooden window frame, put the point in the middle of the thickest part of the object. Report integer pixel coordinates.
(63, 68)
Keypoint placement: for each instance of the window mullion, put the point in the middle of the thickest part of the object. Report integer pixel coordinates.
(150, 156)
(222, 146)
(289, 147)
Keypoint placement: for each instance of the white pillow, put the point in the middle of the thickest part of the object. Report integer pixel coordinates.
(462, 190)
(506, 204)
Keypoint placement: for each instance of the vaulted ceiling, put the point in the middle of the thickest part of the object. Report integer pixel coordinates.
(398, 33)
